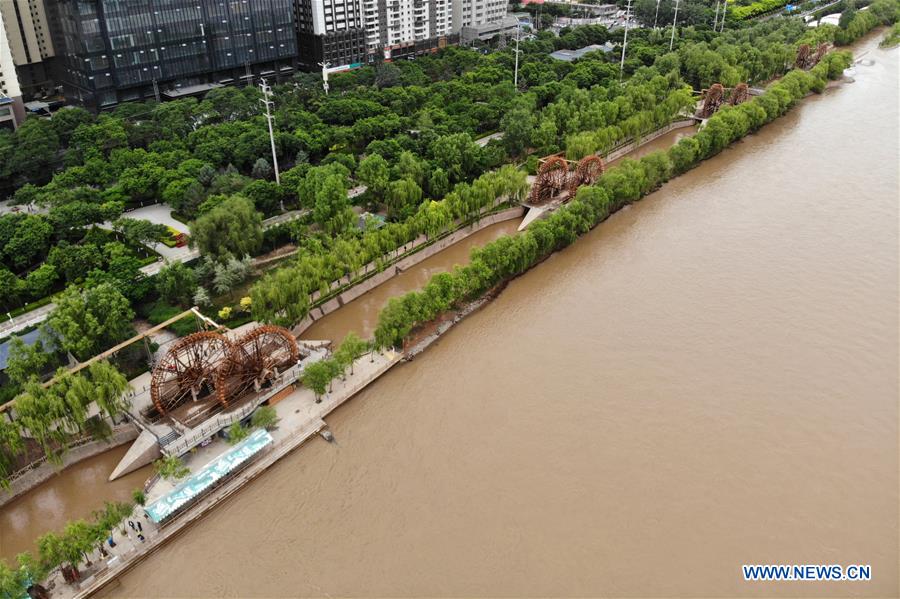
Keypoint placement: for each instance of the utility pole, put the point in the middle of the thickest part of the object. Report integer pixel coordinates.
(674, 24)
(266, 99)
(716, 18)
(325, 66)
(657, 14)
(625, 41)
(516, 72)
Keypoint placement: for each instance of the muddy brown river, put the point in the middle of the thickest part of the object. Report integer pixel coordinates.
(72, 494)
(708, 379)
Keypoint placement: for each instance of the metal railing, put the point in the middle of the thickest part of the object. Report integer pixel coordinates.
(183, 445)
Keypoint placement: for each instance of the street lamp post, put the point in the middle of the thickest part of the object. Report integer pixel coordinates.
(674, 24)
(325, 66)
(266, 99)
(625, 40)
(516, 72)
(656, 16)
(716, 17)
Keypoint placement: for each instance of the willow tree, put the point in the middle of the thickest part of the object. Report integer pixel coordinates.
(109, 388)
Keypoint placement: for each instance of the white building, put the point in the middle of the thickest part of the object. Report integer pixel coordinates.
(28, 36)
(11, 108)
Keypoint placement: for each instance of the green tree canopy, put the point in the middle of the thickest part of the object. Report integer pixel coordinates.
(233, 228)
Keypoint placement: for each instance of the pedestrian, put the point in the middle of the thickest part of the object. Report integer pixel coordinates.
(141, 537)
(111, 542)
(131, 524)
(140, 528)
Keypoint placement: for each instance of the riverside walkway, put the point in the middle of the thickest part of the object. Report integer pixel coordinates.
(300, 418)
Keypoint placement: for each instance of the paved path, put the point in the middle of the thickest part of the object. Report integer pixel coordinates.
(483, 141)
(300, 419)
(38, 315)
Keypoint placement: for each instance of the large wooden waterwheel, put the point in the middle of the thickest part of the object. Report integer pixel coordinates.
(551, 180)
(258, 357)
(587, 172)
(712, 99)
(740, 94)
(188, 371)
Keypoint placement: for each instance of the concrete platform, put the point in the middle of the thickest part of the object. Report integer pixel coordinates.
(143, 451)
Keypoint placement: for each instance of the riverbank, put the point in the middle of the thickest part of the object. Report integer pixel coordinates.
(38, 474)
(301, 418)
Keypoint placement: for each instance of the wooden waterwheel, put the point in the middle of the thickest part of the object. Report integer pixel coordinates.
(587, 172)
(740, 94)
(712, 99)
(258, 357)
(551, 180)
(188, 371)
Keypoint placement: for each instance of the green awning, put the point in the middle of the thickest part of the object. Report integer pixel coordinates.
(220, 467)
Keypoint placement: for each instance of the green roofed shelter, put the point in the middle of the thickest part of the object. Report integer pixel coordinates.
(200, 482)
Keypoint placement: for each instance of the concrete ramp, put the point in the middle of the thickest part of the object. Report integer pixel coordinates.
(532, 215)
(143, 451)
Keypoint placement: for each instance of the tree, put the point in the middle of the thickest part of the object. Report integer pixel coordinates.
(37, 145)
(264, 417)
(29, 241)
(233, 228)
(332, 209)
(109, 388)
(139, 231)
(316, 376)
(25, 361)
(91, 320)
(171, 468)
(176, 283)
(201, 297)
(374, 172)
(12, 288)
(518, 127)
(139, 497)
(237, 433)
(40, 281)
(351, 349)
(403, 198)
(261, 169)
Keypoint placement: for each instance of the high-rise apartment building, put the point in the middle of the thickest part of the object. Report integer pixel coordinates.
(109, 51)
(330, 31)
(28, 33)
(346, 32)
(472, 13)
(11, 109)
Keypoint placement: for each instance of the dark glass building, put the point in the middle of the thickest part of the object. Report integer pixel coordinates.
(111, 51)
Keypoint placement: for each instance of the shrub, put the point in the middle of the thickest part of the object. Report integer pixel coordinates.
(264, 417)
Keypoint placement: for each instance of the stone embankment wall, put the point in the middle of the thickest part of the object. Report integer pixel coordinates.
(393, 270)
(122, 434)
(631, 147)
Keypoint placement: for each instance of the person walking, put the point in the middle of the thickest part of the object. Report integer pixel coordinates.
(131, 524)
(111, 542)
(139, 527)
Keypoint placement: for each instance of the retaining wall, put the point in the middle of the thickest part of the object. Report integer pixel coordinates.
(631, 147)
(404, 264)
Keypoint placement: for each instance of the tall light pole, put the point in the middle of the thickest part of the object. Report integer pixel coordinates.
(325, 66)
(655, 17)
(266, 99)
(516, 72)
(674, 24)
(625, 41)
(716, 18)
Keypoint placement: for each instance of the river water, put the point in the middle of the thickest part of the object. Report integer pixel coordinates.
(708, 379)
(74, 493)
(361, 315)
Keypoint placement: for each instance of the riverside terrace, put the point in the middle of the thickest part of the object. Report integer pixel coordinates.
(205, 407)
